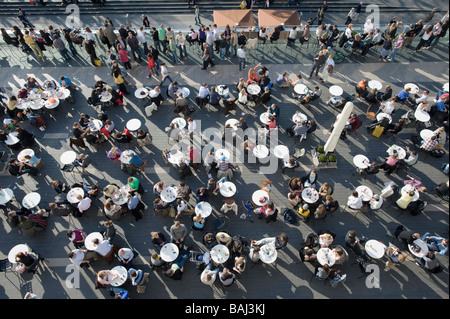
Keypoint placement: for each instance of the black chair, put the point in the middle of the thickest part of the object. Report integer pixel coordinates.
(314, 275)
(5, 265)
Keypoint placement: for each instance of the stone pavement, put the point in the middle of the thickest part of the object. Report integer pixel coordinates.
(288, 278)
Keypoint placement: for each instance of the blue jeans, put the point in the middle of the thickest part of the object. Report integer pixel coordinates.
(175, 57)
(222, 53)
(181, 259)
(197, 19)
(182, 50)
(241, 64)
(234, 50)
(211, 48)
(210, 266)
(166, 78)
(65, 54)
(157, 67)
(393, 54)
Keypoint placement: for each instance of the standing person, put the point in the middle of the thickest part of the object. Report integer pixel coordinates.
(70, 43)
(162, 38)
(210, 40)
(319, 61)
(108, 32)
(133, 44)
(151, 65)
(181, 44)
(24, 18)
(33, 45)
(142, 37)
(173, 50)
(424, 39)
(351, 16)
(155, 37)
(234, 43)
(241, 56)
(222, 45)
(165, 74)
(328, 69)
(59, 44)
(398, 45)
(197, 15)
(155, 54)
(123, 56)
(206, 56)
(90, 49)
(385, 50)
(120, 80)
(145, 21)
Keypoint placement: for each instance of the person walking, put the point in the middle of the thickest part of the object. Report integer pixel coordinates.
(24, 19)
(59, 44)
(319, 61)
(241, 56)
(197, 15)
(33, 45)
(207, 56)
(165, 74)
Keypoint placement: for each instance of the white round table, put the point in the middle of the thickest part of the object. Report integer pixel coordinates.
(365, 193)
(414, 88)
(361, 161)
(281, 151)
(175, 157)
(375, 248)
(105, 96)
(21, 248)
(421, 116)
(220, 154)
(168, 194)
(220, 254)
(179, 122)
(400, 151)
(381, 116)
(89, 238)
(374, 84)
(260, 151)
(96, 125)
(445, 87)
(51, 103)
(421, 245)
(301, 89)
(141, 93)
(133, 125)
(203, 208)
(336, 90)
(325, 256)
(73, 194)
(36, 105)
(253, 89)
(310, 195)
(31, 200)
(21, 155)
(120, 197)
(185, 91)
(68, 157)
(222, 89)
(227, 189)
(426, 133)
(62, 93)
(12, 139)
(264, 117)
(268, 254)
(6, 194)
(408, 188)
(123, 275)
(299, 117)
(126, 156)
(260, 198)
(233, 123)
(169, 252)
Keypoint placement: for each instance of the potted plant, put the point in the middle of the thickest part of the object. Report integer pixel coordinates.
(332, 160)
(320, 149)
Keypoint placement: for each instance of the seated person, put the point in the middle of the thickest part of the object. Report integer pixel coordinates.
(384, 96)
(361, 88)
(395, 257)
(26, 138)
(94, 137)
(122, 137)
(376, 202)
(304, 212)
(136, 161)
(283, 80)
(295, 185)
(114, 154)
(198, 222)
(330, 203)
(273, 110)
(229, 103)
(354, 201)
(314, 95)
(371, 97)
(214, 97)
(275, 35)
(310, 179)
(17, 168)
(402, 95)
(437, 245)
(405, 200)
(82, 160)
(299, 129)
(387, 107)
(265, 83)
(157, 97)
(201, 195)
(390, 164)
(181, 104)
(308, 255)
(428, 262)
(290, 162)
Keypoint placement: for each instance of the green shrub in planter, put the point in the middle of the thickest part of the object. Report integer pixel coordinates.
(322, 158)
(332, 158)
(320, 149)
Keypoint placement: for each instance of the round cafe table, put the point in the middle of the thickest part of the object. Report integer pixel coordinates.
(6, 194)
(365, 193)
(105, 96)
(73, 194)
(96, 125)
(123, 275)
(426, 133)
(141, 93)
(375, 248)
(21, 155)
(408, 188)
(325, 256)
(12, 139)
(299, 117)
(281, 151)
(185, 91)
(51, 103)
(168, 194)
(400, 151)
(421, 116)
(175, 157)
(301, 89)
(260, 151)
(62, 93)
(68, 157)
(120, 197)
(422, 248)
(222, 90)
(36, 105)
(414, 88)
(126, 156)
(374, 84)
(227, 189)
(220, 254)
(264, 117)
(381, 116)
(268, 253)
(169, 252)
(133, 125)
(310, 195)
(260, 198)
(220, 154)
(336, 90)
(203, 208)
(89, 238)
(233, 123)
(21, 248)
(361, 161)
(179, 122)
(253, 89)
(31, 200)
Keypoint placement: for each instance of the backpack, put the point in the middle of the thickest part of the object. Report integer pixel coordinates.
(289, 216)
(363, 262)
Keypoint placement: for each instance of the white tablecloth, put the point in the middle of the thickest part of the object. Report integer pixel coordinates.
(169, 252)
(375, 249)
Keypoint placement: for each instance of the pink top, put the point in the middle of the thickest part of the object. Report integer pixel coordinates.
(391, 161)
(123, 55)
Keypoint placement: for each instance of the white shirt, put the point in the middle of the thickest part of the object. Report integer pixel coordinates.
(164, 71)
(84, 204)
(242, 98)
(192, 126)
(241, 53)
(182, 207)
(128, 254)
(209, 38)
(213, 277)
(90, 36)
(354, 202)
(181, 40)
(216, 34)
(376, 204)
(389, 107)
(141, 36)
(292, 34)
(377, 37)
(203, 92)
(103, 248)
(422, 98)
(79, 257)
